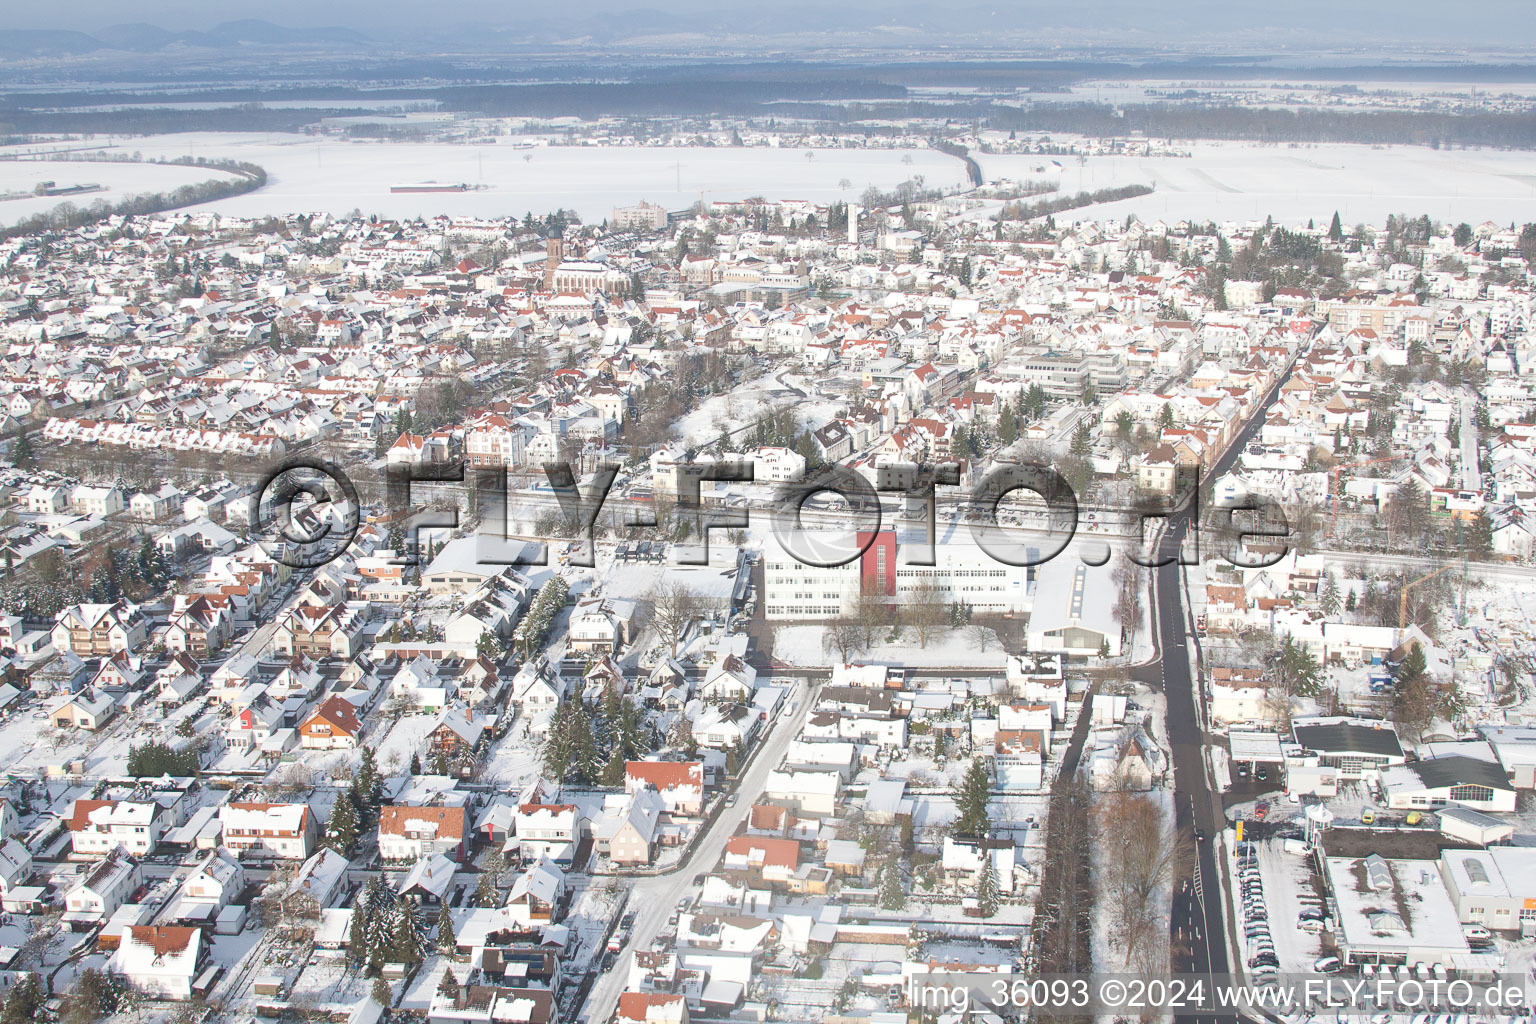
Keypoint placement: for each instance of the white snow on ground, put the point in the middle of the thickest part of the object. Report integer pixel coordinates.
(1250, 181)
(802, 645)
(406, 737)
(739, 408)
(118, 180)
(306, 173)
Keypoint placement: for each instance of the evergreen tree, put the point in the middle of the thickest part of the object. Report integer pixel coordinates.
(1328, 596)
(446, 938)
(381, 992)
(488, 890)
(341, 831)
(736, 757)
(892, 896)
(1480, 535)
(368, 787)
(975, 792)
(1349, 600)
(1007, 426)
(1082, 440)
(1034, 402)
(415, 764)
(408, 935)
(1336, 229)
(24, 1000)
(986, 887)
(613, 771)
(22, 455)
(680, 736)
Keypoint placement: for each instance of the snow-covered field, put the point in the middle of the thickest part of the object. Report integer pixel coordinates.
(802, 645)
(1250, 181)
(336, 176)
(119, 180)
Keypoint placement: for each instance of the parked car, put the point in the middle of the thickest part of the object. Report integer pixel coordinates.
(1367, 816)
(1476, 933)
(1260, 811)
(1309, 924)
(1327, 965)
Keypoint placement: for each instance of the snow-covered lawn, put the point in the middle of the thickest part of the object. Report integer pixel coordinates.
(1250, 181)
(306, 173)
(406, 737)
(802, 645)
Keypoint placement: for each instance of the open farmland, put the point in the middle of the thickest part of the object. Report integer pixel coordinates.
(335, 176)
(1251, 181)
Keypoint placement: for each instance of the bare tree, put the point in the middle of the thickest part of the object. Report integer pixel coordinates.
(1127, 610)
(1140, 847)
(980, 635)
(844, 636)
(927, 612)
(873, 614)
(672, 606)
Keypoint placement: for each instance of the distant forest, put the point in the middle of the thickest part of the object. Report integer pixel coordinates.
(838, 92)
(874, 102)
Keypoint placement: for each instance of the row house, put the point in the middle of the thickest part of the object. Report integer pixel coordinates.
(93, 630)
(321, 630)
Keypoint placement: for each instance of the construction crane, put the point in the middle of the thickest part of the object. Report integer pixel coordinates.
(1402, 602)
(1333, 525)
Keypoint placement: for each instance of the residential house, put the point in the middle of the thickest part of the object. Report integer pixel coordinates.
(410, 833)
(680, 783)
(162, 961)
(280, 831)
(331, 726)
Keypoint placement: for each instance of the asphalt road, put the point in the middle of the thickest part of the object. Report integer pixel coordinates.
(1198, 930)
(657, 896)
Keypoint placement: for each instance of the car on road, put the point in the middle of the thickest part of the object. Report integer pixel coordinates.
(698, 879)
(1367, 816)
(1260, 811)
(730, 801)
(1199, 835)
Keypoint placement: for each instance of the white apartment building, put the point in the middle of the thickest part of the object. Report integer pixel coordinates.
(964, 573)
(284, 831)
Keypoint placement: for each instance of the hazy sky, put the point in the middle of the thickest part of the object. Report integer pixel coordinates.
(1506, 24)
